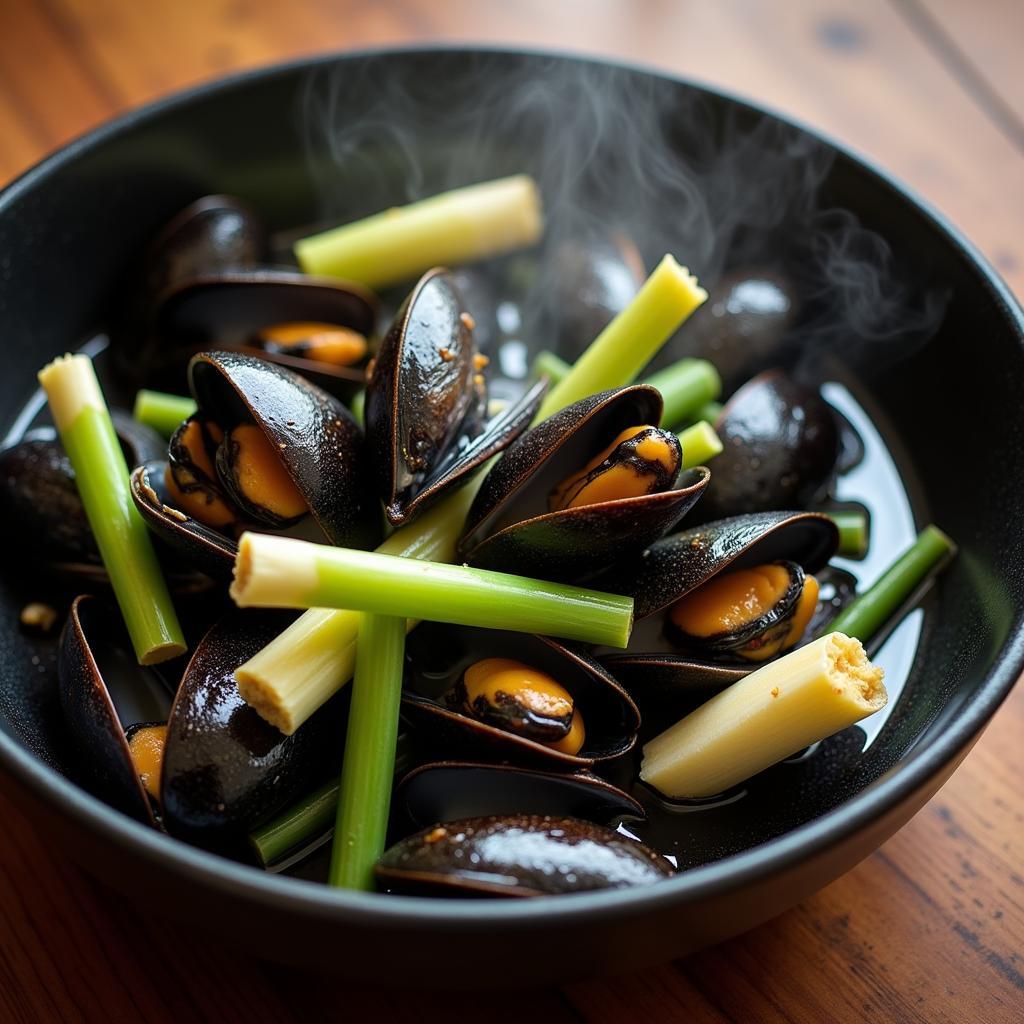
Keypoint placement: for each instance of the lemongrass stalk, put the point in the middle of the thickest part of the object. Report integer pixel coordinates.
(786, 705)
(163, 412)
(358, 406)
(853, 532)
(101, 475)
(547, 364)
(364, 797)
(700, 444)
(312, 816)
(283, 572)
(303, 667)
(709, 412)
(685, 386)
(868, 612)
(454, 227)
(633, 338)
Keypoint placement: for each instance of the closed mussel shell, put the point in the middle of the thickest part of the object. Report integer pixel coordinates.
(437, 657)
(509, 528)
(518, 855)
(780, 443)
(741, 326)
(447, 790)
(651, 668)
(426, 401)
(225, 769)
(95, 661)
(319, 444)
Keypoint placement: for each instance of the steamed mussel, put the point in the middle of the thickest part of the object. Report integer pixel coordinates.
(582, 490)
(206, 282)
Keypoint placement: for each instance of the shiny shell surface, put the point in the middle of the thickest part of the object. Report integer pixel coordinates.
(319, 443)
(509, 528)
(225, 769)
(447, 790)
(780, 446)
(437, 657)
(518, 855)
(94, 652)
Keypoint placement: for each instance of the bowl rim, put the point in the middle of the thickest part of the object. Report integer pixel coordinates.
(293, 895)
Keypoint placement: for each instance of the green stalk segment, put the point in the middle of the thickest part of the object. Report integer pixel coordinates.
(358, 406)
(709, 412)
(632, 339)
(853, 532)
(685, 387)
(163, 412)
(445, 230)
(866, 615)
(313, 815)
(303, 667)
(547, 364)
(700, 444)
(364, 798)
(282, 572)
(101, 474)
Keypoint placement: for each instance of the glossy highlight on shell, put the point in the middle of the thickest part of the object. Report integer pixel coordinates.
(519, 855)
(510, 526)
(426, 402)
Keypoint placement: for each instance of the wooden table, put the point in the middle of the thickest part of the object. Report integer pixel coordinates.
(929, 928)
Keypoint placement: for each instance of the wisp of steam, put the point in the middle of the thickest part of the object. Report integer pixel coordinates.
(616, 153)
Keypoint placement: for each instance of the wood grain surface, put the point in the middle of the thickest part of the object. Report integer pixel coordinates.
(931, 927)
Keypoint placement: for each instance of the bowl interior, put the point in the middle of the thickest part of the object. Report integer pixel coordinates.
(923, 340)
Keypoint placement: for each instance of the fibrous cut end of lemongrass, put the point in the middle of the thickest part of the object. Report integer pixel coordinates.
(787, 705)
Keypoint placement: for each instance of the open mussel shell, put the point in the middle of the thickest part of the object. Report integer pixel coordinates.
(652, 669)
(320, 445)
(39, 498)
(225, 769)
(426, 402)
(518, 855)
(447, 790)
(93, 661)
(437, 657)
(780, 447)
(509, 528)
(207, 549)
(741, 326)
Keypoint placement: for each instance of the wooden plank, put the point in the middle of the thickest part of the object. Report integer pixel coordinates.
(985, 31)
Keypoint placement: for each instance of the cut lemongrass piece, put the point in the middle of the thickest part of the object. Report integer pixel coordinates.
(685, 387)
(308, 663)
(781, 708)
(163, 412)
(364, 798)
(709, 412)
(454, 227)
(282, 572)
(868, 612)
(633, 338)
(101, 475)
(700, 444)
(547, 364)
(853, 532)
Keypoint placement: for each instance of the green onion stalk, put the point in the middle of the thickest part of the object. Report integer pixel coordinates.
(870, 611)
(101, 475)
(700, 444)
(853, 531)
(303, 667)
(161, 411)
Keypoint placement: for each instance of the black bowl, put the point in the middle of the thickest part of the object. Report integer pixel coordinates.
(69, 229)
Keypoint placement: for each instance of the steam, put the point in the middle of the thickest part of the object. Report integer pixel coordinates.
(604, 144)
